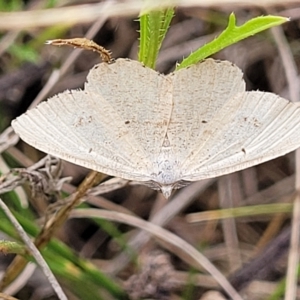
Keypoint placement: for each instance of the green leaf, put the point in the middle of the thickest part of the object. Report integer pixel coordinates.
(231, 35)
(24, 53)
(11, 247)
(153, 28)
(12, 5)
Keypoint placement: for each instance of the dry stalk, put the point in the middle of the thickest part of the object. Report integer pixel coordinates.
(50, 227)
(85, 44)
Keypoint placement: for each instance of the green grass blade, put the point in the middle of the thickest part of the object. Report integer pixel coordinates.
(61, 258)
(165, 23)
(143, 19)
(153, 28)
(231, 35)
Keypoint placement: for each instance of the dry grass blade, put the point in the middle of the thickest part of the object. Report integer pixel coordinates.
(294, 90)
(58, 74)
(227, 192)
(162, 217)
(7, 139)
(90, 12)
(171, 239)
(34, 251)
(240, 212)
(51, 226)
(7, 297)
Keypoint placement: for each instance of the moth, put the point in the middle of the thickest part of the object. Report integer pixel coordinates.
(163, 130)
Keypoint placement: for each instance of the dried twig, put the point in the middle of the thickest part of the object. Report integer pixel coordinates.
(85, 44)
